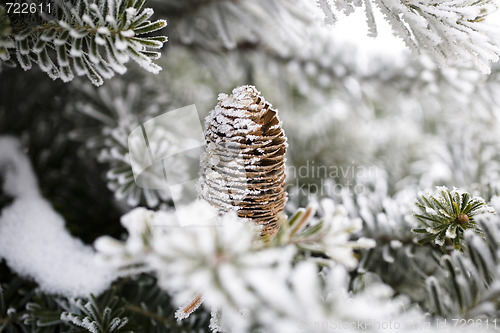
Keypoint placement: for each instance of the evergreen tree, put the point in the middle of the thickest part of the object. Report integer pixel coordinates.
(392, 166)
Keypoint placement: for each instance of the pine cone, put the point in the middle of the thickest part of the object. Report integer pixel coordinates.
(243, 166)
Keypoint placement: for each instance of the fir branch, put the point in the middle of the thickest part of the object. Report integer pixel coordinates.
(99, 39)
(145, 306)
(98, 317)
(385, 219)
(326, 240)
(449, 32)
(222, 25)
(234, 272)
(104, 117)
(446, 215)
(14, 296)
(467, 286)
(44, 312)
(151, 308)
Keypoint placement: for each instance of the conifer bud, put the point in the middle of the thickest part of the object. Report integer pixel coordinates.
(243, 165)
(463, 219)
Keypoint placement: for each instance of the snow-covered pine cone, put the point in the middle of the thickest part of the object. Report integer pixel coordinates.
(243, 165)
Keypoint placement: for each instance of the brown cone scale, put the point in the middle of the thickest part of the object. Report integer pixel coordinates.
(243, 165)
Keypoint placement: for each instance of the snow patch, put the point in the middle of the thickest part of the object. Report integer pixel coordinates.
(33, 238)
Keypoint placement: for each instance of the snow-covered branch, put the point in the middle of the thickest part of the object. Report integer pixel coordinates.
(242, 276)
(451, 32)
